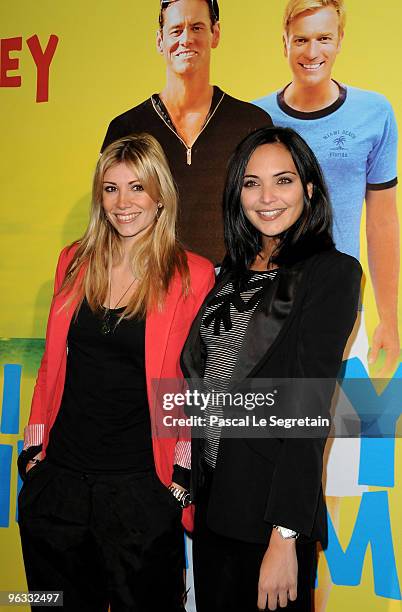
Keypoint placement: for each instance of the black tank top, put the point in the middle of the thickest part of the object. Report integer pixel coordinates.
(103, 424)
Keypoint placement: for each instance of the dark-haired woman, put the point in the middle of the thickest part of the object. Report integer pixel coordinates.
(97, 519)
(283, 308)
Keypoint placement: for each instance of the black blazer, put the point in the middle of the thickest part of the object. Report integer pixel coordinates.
(299, 330)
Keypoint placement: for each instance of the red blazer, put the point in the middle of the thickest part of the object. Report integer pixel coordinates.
(165, 333)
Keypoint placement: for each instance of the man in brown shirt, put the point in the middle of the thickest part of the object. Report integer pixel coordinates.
(197, 124)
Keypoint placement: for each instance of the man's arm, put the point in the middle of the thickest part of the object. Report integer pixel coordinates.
(382, 229)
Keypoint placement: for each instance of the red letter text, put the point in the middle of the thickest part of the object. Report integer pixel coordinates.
(42, 60)
(9, 63)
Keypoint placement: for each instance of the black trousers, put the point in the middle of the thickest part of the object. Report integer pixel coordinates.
(226, 570)
(102, 539)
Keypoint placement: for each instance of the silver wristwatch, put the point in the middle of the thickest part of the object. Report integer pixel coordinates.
(286, 534)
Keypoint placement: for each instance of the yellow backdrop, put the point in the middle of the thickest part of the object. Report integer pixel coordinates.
(106, 62)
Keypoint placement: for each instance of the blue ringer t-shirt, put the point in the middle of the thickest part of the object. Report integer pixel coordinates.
(355, 141)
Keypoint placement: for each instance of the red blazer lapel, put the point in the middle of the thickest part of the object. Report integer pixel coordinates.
(157, 329)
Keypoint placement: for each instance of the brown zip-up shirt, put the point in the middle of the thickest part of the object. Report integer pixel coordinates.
(199, 171)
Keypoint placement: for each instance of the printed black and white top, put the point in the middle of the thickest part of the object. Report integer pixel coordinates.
(223, 329)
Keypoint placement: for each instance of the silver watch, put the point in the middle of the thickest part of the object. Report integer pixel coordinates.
(286, 534)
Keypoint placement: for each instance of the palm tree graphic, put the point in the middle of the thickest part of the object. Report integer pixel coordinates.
(339, 142)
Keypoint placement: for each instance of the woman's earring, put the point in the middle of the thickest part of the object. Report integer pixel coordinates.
(158, 210)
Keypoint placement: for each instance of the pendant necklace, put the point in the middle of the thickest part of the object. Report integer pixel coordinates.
(106, 328)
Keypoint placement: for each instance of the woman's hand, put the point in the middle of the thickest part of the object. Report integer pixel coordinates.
(278, 573)
(32, 462)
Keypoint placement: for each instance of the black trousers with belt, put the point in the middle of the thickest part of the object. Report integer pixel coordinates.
(102, 539)
(226, 570)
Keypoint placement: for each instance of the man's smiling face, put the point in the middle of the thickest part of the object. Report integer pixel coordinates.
(312, 43)
(187, 36)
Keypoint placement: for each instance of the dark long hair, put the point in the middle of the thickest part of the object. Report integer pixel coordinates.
(310, 234)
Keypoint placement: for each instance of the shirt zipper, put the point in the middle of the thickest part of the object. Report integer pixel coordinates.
(188, 149)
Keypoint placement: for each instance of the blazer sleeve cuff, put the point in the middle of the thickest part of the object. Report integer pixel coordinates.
(182, 454)
(33, 435)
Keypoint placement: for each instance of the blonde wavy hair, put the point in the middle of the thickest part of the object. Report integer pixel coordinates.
(295, 7)
(155, 257)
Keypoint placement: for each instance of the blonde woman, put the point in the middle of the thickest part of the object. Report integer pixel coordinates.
(101, 507)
